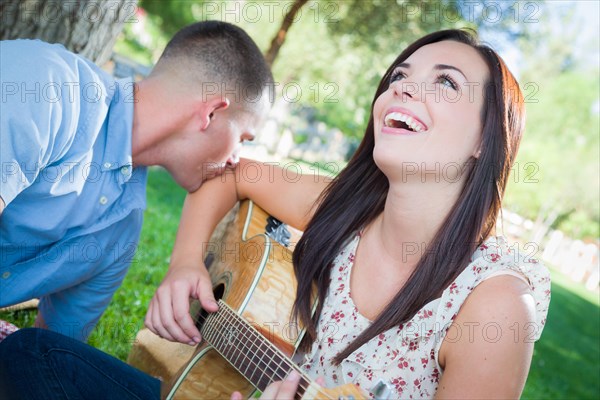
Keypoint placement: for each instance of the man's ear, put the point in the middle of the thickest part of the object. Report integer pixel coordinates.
(208, 108)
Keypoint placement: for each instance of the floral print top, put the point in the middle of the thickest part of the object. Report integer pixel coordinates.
(406, 357)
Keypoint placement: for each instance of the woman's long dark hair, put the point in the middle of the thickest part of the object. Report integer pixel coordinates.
(358, 194)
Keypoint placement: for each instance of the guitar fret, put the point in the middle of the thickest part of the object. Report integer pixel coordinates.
(278, 369)
(247, 351)
(249, 343)
(218, 343)
(258, 360)
(265, 380)
(276, 364)
(228, 349)
(237, 362)
(302, 386)
(245, 348)
(261, 365)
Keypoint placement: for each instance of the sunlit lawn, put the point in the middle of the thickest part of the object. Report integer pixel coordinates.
(566, 362)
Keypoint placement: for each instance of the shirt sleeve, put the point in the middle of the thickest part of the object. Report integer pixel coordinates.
(35, 81)
(22, 153)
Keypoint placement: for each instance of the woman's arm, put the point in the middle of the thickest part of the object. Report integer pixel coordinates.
(281, 192)
(488, 353)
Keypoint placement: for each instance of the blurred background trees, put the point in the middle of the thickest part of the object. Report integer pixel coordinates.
(87, 27)
(335, 52)
(328, 56)
(332, 53)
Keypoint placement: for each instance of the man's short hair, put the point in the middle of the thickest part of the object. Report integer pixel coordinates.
(225, 57)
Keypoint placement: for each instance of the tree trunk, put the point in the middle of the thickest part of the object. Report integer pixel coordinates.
(279, 38)
(87, 27)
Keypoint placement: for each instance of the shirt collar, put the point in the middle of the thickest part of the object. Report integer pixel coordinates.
(117, 152)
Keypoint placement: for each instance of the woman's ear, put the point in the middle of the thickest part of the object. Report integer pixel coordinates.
(208, 108)
(477, 152)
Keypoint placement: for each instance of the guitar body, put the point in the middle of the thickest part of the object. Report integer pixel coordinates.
(248, 343)
(253, 274)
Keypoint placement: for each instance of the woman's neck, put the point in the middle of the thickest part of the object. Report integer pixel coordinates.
(412, 216)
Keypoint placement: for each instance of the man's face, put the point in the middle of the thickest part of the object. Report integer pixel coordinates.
(203, 154)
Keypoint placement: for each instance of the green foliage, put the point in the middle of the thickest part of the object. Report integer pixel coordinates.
(171, 15)
(349, 43)
(386, 26)
(336, 52)
(561, 151)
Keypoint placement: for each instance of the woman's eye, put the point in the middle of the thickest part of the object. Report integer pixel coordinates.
(447, 81)
(397, 75)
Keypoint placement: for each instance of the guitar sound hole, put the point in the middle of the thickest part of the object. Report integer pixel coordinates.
(200, 314)
(208, 261)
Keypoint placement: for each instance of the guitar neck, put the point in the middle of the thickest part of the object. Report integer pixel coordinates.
(248, 351)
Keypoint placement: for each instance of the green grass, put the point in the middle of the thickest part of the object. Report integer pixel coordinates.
(125, 316)
(566, 362)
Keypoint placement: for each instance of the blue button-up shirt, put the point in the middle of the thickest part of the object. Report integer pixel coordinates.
(74, 202)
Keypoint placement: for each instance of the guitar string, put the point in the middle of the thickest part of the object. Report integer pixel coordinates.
(261, 353)
(228, 318)
(218, 341)
(218, 346)
(282, 357)
(229, 314)
(227, 310)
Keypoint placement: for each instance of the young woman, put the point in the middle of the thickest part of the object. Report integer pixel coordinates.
(401, 245)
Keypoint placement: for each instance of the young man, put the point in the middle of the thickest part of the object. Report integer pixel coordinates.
(74, 147)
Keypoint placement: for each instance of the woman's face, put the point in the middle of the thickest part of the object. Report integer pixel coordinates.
(427, 125)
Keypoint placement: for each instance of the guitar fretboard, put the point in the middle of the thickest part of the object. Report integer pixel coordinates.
(247, 350)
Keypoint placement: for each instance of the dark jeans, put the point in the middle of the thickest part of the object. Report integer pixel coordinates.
(40, 364)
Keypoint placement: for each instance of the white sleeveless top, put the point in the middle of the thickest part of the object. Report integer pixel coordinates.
(407, 356)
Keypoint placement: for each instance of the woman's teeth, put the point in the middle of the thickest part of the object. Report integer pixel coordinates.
(399, 120)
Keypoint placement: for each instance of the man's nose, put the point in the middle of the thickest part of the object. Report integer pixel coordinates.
(233, 160)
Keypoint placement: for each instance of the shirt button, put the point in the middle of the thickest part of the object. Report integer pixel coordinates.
(125, 170)
(103, 200)
(107, 165)
(6, 275)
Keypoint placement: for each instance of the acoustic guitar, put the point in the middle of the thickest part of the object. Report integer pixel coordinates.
(249, 342)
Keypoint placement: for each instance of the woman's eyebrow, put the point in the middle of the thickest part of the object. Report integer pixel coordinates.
(437, 67)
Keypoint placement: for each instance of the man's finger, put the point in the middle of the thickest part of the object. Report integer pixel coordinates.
(181, 314)
(157, 322)
(168, 321)
(205, 295)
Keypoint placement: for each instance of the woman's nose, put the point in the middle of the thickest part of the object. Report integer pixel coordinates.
(407, 90)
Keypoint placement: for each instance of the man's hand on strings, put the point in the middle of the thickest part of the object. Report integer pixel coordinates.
(168, 315)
